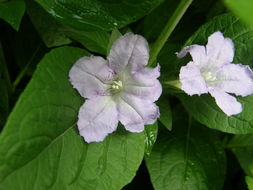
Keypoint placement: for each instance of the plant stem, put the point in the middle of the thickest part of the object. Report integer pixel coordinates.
(168, 29)
(24, 70)
(173, 83)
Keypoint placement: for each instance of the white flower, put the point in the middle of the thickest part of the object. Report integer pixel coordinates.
(211, 71)
(120, 88)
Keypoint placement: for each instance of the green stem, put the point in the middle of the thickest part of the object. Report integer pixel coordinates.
(173, 83)
(172, 87)
(168, 29)
(5, 70)
(24, 70)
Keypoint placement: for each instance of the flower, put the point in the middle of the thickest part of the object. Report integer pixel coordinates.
(211, 71)
(120, 88)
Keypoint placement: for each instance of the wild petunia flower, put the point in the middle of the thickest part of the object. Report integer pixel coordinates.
(120, 88)
(211, 71)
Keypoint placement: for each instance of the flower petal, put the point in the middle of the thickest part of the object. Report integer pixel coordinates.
(129, 50)
(227, 103)
(219, 49)
(150, 93)
(89, 76)
(143, 83)
(97, 118)
(134, 112)
(192, 80)
(235, 78)
(198, 53)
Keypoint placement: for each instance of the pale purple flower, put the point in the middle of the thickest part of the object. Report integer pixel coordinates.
(211, 71)
(119, 89)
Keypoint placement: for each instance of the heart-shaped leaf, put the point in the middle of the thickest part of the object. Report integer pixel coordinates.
(187, 158)
(12, 12)
(40, 145)
(98, 14)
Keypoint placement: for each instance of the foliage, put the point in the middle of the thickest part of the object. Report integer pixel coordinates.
(192, 146)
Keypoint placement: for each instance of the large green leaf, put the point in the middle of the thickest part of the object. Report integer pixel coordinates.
(187, 159)
(54, 33)
(165, 112)
(48, 28)
(242, 8)
(203, 108)
(12, 12)
(150, 132)
(249, 181)
(98, 14)
(242, 146)
(95, 41)
(40, 147)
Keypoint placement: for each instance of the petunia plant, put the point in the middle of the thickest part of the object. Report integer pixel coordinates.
(211, 71)
(117, 89)
(110, 95)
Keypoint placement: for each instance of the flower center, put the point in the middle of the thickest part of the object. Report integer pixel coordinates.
(209, 77)
(117, 85)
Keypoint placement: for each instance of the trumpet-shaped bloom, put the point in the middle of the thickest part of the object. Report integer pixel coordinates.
(211, 71)
(119, 89)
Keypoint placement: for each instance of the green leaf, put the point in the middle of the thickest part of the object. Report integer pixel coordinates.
(187, 159)
(150, 137)
(12, 12)
(165, 112)
(55, 34)
(41, 148)
(48, 28)
(95, 41)
(249, 181)
(98, 14)
(203, 108)
(114, 36)
(242, 8)
(242, 146)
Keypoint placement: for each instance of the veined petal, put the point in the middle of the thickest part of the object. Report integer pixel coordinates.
(235, 78)
(131, 120)
(227, 103)
(90, 75)
(97, 118)
(198, 53)
(192, 80)
(143, 83)
(149, 93)
(220, 50)
(134, 112)
(130, 51)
